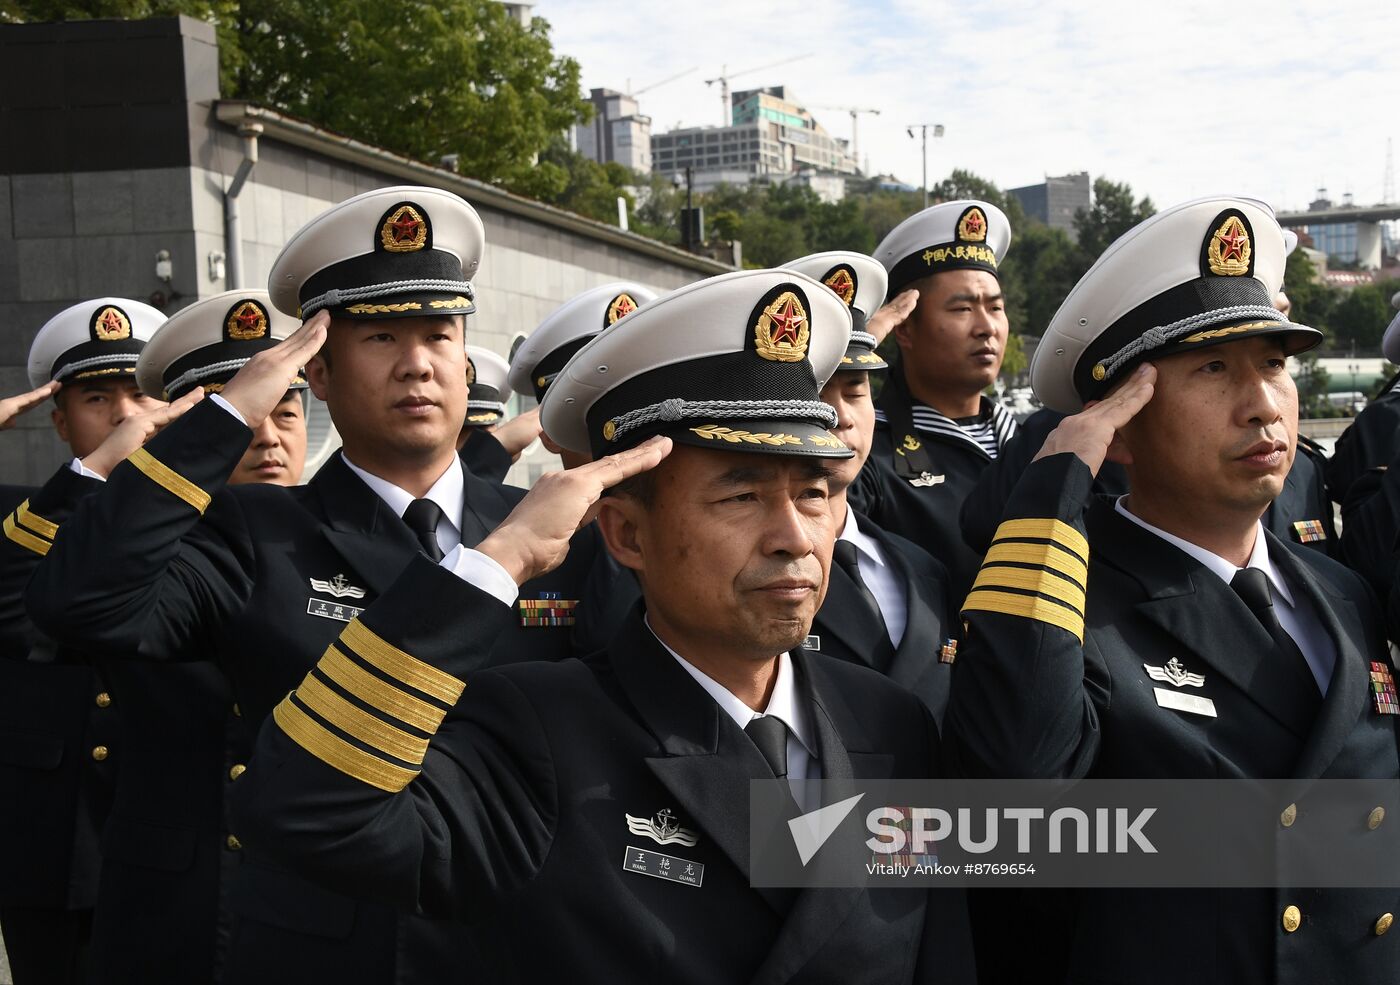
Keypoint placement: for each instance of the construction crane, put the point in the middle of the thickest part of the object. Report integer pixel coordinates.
(855, 112)
(725, 75)
(670, 78)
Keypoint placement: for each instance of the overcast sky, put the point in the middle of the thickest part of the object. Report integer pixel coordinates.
(1179, 99)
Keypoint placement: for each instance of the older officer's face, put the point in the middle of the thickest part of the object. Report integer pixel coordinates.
(954, 341)
(277, 453)
(395, 386)
(849, 394)
(87, 411)
(732, 550)
(1220, 431)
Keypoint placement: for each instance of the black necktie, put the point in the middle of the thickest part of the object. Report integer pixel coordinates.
(844, 554)
(1252, 585)
(770, 735)
(422, 518)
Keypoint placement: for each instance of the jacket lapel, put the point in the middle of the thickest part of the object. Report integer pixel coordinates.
(845, 754)
(1191, 604)
(923, 631)
(360, 527)
(845, 616)
(1351, 678)
(707, 761)
(483, 507)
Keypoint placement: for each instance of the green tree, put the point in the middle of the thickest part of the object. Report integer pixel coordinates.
(423, 78)
(1360, 317)
(1312, 298)
(589, 188)
(1313, 382)
(1113, 213)
(965, 184)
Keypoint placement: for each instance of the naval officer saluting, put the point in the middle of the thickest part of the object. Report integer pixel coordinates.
(1167, 634)
(593, 814)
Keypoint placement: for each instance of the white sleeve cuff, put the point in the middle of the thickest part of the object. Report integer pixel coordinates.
(482, 572)
(228, 407)
(77, 466)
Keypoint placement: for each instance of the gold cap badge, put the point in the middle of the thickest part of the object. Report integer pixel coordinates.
(111, 325)
(246, 321)
(782, 330)
(841, 281)
(404, 230)
(1229, 250)
(623, 304)
(972, 227)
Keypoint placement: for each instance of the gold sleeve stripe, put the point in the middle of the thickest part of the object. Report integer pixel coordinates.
(1041, 556)
(1027, 580)
(335, 752)
(24, 538)
(394, 662)
(1027, 607)
(376, 693)
(170, 480)
(36, 523)
(1057, 531)
(360, 724)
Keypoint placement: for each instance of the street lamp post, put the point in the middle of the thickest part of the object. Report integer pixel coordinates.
(924, 128)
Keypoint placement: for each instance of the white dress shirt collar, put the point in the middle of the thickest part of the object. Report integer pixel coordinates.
(869, 549)
(1223, 569)
(783, 703)
(449, 493)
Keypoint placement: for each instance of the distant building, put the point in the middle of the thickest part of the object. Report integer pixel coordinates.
(772, 137)
(1345, 241)
(618, 131)
(1056, 200)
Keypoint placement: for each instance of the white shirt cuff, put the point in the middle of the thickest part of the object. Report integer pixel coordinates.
(228, 407)
(77, 466)
(482, 572)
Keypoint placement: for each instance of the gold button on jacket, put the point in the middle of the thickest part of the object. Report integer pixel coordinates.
(99, 753)
(1292, 919)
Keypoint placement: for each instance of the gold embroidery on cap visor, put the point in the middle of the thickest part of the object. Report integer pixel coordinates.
(782, 330)
(111, 325)
(972, 227)
(1229, 251)
(247, 321)
(622, 305)
(839, 280)
(404, 231)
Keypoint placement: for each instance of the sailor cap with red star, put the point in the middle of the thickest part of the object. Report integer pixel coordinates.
(859, 281)
(208, 342)
(1197, 275)
(962, 235)
(568, 328)
(394, 252)
(487, 389)
(94, 339)
(734, 362)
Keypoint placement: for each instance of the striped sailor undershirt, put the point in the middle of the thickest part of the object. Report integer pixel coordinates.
(989, 431)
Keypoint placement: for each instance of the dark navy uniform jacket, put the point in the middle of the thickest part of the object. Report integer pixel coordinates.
(1087, 709)
(169, 564)
(508, 809)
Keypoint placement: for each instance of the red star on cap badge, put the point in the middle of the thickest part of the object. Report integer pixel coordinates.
(111, 322)
(405, 228)
(974, 223)
(1232, 244)
(786, 322)
(248, 319)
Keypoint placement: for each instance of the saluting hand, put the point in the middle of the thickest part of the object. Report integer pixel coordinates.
(534, 539)
(1090, 433)
(12, 407)
(263, 381)
(135, 431)
(891, 313)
